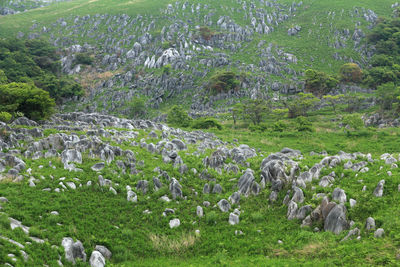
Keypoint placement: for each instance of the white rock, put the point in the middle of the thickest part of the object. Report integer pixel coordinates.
(174, 223)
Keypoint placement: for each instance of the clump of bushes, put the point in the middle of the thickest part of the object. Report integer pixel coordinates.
(5, 116)
(223, 82)
(177, 116)
(35, 103)
(83, 58)
(206, 123)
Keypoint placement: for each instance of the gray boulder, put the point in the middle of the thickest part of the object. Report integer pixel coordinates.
(73, 250)
(378, 192)
(339, 195)
(104, 251)
(224, 205)
(97, 259)
(98, 166)
(379, 233)
(142, 186)
(217, 189)
(370, 224)
(336, 220)
(233, 219)
(175, 188)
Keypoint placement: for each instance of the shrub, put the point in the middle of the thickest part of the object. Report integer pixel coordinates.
(167, 69)
(206, 33)
(256, 110)
(351, 72)
(223, 82)
(352, 122)
(301, 104)
(137, 108)
(387, 94)
(206, 123)
(5, 116)
(279, 126)
(303, 124)
(333, 100)
(177, 116)
(83, 58)
(319, 83)
(35, 103)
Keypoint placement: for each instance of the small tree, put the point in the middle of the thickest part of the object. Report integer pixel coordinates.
(387, 95)
(333, 100)
(352, 122)
(3, 77)
(224, 81)
(354, 102)
(206, 33)
(237, 112)
(137, 108)
(351, 72)
(256, 110)
(177, 116)
(301, 104)
(319, 83)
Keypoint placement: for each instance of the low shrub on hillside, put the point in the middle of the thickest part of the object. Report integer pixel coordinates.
(206, 123)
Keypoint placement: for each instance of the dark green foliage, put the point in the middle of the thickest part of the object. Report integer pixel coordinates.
(387, 95)
(223, 82)
(206, 123)
(279, 126)
(83, 58)
(303, 124)
(177, 116)
(35, 103)
(385, 68)
(138, 108)
(319, 83)
(35, 61)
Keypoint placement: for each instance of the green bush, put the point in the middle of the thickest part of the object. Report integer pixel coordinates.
(301, 104)
(279, 126)
(319, 83)
(83, 58)
(137, 108)
(206, 123)
(177, 116)
(303, 124)
(223, 82)
(351, 72)
(5, 116)
(35, 103)
(352, 123)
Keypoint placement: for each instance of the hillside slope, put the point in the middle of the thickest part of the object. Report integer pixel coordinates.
(166, 51)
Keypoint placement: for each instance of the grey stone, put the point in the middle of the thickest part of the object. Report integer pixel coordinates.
(233, 219)
(174, 223)
(199, 211)
(224, 205)
(370, 224)
(379, 233)
(104, 251)
(97, 259)
(336, 220)
(378, 192)
(339, 195)
(98, 166)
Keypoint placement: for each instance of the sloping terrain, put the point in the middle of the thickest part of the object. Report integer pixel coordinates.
(167, 51)
(154, 195)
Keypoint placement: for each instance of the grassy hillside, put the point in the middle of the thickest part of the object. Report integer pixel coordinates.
(330, 34)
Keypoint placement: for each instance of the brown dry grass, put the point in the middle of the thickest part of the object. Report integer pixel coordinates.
(91, 79)
(164, 243)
